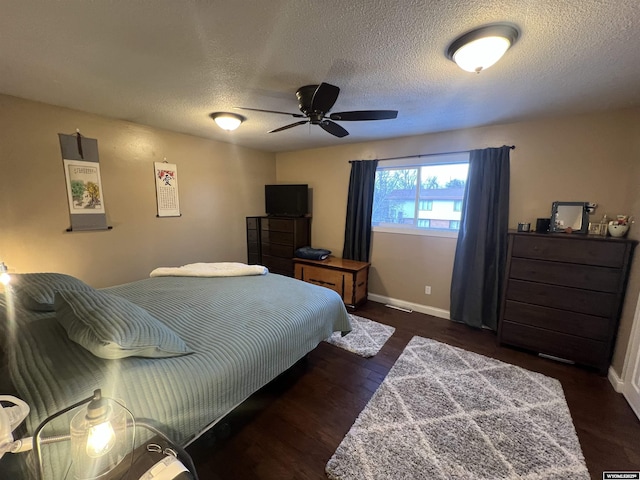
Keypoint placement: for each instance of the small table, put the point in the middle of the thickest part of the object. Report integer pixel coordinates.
(350, 278)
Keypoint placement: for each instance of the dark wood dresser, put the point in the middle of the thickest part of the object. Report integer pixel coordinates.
(272, 241)
(563, 295)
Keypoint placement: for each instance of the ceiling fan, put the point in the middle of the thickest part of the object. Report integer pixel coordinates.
(315, 102)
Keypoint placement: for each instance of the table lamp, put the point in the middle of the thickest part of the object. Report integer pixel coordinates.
(101, 434)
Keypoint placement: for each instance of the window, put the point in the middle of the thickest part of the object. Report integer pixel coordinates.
(422, 196)
(426, 205)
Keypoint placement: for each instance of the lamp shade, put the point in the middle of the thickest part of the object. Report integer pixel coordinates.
(99, 437)
(481, 48)
(227, 121)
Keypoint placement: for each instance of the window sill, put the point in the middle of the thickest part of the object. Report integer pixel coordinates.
(416, 231)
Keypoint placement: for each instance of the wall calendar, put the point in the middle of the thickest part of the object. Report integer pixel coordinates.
(166, 175)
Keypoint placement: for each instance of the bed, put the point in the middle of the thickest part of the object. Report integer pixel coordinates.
(239, 333)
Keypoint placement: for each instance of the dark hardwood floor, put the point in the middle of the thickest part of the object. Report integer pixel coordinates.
(290, 429)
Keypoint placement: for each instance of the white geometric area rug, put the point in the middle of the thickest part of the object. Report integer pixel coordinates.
(366, 337)
(445, 413)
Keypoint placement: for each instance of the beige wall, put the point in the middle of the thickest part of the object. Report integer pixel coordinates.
(219, 185)
(577, 158)
(590, 157)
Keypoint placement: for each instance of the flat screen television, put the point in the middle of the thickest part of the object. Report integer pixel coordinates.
(286, 200)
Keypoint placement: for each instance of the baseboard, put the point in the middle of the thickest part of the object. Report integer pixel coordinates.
(615, 380)
(416, 307)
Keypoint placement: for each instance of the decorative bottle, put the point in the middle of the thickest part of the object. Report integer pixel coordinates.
(603, 225)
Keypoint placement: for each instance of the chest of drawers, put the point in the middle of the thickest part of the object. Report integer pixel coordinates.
(272, 241)
(563, 295)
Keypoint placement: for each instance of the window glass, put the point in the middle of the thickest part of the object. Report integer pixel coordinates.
(421, 198)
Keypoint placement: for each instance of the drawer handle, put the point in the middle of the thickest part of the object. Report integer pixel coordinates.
(360, 284)
(322, 282)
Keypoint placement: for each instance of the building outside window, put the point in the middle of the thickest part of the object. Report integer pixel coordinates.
(420, 198)
(426, 205)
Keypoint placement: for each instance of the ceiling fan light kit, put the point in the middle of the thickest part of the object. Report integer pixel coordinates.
(315, 102)
(478, 49)
(227, 121)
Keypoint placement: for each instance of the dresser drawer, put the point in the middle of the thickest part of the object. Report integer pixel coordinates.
(252, 236)
(571, 250)
(278, 224)
(277, 250)
(578, 324)
(581, 350)
(283, 266)
(565, 298)
(277, 237)
(333, 279)
(590, 277)
(252, 223)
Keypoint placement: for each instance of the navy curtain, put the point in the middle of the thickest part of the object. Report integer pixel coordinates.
(357, 230)
(481, 250)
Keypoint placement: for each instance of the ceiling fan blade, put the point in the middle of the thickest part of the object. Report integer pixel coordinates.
(333, 128)
(365, 115)
(324, 97)
(296, 115)
(286, 127)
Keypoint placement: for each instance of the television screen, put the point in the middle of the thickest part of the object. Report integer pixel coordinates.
(286, 200)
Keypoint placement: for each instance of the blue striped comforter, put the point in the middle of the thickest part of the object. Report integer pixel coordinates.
(244, 330)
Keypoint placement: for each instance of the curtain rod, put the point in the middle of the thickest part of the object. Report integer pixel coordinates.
(512, 147)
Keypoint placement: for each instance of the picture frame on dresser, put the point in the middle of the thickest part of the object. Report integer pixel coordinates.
(599, 229)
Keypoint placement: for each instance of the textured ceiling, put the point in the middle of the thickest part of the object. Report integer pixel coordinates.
(169, 63)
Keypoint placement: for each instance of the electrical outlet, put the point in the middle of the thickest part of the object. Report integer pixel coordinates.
(427, 290)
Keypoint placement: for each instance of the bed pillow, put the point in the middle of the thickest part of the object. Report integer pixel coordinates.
(112, 327)
(36, 291)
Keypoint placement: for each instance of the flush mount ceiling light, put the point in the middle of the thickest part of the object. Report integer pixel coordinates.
(227, 121)
(478, 49)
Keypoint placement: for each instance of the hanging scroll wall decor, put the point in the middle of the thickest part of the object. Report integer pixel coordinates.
(84, 186)
(166, 175)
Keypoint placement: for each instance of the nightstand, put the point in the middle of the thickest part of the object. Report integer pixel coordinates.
(350, 278)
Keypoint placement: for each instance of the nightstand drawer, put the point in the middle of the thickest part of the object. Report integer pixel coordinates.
(332, 279)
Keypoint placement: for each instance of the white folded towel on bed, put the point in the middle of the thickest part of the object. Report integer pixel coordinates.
(220, 269)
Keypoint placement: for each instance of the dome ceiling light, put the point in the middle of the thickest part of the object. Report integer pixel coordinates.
(478, 49)
(227, 121)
